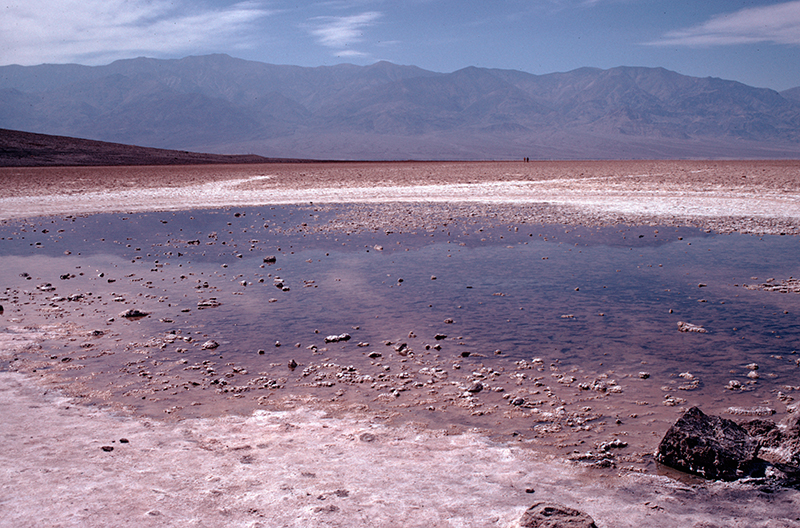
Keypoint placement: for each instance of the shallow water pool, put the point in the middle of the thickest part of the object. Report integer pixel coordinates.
(556, 335)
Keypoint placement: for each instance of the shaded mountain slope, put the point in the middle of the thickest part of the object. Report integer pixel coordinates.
(24, 149)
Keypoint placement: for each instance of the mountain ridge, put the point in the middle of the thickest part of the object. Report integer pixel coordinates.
(220, 104)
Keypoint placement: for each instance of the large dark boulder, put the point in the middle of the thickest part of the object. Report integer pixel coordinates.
(766, 432)
(790, 446)
(709, 446)
(553, 515)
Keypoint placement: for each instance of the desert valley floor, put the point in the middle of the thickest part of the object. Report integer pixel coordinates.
(389, 344)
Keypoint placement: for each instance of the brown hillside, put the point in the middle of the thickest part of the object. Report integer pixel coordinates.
(25, 149)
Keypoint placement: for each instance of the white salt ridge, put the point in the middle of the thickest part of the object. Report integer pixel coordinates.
(592, 194)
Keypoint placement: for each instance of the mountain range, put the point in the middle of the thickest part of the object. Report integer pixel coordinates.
(224, 105)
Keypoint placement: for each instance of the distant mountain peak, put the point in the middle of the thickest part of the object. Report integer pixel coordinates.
(218, 103)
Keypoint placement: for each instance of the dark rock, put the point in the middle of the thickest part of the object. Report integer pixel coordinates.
(107, 449)
(709, 446)
(270, 259)
(292, 364)
(133, 312)
(439, 337)
(374, 355)
(553, 515)
(475, 387)
(766, 431)
(790, 444)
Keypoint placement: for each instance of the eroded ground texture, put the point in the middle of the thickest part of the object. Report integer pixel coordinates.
(65, 463)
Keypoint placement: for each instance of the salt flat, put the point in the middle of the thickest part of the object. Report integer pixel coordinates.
(747, 196)
(305, 468)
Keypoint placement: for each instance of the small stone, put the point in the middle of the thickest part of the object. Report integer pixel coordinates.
(553, 515)
(644, 375)
(449, 321)
(133, 312)
(475, 387)
(210, 345)
(107, 449)
(688, 327)
(292, 364)
(261, 351)
(337, 338)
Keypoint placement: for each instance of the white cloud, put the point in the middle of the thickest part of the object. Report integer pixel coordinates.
(779, 24)
(98, 31)
(339, 33)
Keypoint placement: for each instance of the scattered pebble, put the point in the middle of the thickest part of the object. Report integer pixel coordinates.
(688, 327)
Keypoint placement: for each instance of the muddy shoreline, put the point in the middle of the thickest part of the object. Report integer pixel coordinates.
(397, 200)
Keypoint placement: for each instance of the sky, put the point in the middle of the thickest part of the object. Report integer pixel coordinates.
(754, 42)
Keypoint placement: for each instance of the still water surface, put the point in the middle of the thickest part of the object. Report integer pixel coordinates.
(590, 303)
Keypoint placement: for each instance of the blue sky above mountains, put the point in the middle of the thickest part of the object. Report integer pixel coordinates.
(755, 42)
